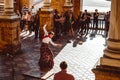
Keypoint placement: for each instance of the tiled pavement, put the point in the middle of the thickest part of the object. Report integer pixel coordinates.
(81, 59)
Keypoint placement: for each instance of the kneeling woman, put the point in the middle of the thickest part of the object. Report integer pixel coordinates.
(46, 55)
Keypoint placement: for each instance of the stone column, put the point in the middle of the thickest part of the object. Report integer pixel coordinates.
(58, 4)
(8, 10)
(109, 68)
(46, 15)
(77, 5)
(8, 6)
(9, 29)
(68, 5)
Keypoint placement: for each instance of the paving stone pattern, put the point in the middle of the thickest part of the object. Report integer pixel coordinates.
(80, 59)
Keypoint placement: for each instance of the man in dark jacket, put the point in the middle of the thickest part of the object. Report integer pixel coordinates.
(95, 19)
(36, 24)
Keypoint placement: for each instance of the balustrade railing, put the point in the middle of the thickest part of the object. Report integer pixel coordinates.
(101, 29)
(101, 24)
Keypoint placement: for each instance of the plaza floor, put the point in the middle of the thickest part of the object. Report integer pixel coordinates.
(81, 59)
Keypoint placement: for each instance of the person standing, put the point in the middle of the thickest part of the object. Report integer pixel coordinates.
(46, 62)
(62, 23)
(23, 21)
(56, 24)
(63, 75)
(66, 14)
(95, 19)
(36, 25)
(24, 9)
(33, 10)
(30, 20)
(70, 24)
(107, 23)
(86, 17)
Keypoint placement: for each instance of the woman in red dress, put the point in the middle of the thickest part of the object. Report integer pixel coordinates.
(46, 62)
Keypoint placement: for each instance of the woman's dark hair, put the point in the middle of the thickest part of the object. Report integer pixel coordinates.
(63, 65)
(51, 32)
